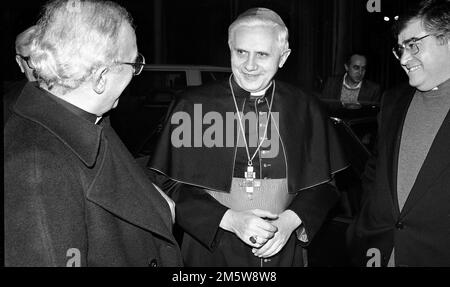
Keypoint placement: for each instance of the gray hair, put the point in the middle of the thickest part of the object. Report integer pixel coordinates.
(434, 15)
(75, 38)
(261, 17)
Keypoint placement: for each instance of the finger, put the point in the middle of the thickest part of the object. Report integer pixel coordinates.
(264, 214)
(273, 252)
(273, 249)
(259, 252)
(265, 225)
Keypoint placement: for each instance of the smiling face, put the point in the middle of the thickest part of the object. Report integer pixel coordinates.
(431, 65)
(256, 56)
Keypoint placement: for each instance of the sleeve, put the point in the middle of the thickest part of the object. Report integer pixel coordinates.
(44, 213)
(197, 212)
(312, 206)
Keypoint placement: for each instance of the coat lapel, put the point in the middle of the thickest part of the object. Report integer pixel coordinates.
(398, 113)
(436, 161)
(122, 188)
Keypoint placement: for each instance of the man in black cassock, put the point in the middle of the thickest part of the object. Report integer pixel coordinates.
(249, 161)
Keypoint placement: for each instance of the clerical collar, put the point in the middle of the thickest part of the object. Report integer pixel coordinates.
(241, 93)
(349, 87)
(261, 93)
(441, 90)
(74, 109)
(445, 85)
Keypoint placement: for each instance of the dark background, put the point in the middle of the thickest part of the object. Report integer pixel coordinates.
(322, 33)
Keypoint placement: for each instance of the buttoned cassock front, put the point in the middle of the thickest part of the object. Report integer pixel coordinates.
(72, 185)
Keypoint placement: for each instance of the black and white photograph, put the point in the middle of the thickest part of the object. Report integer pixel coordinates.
(242, 134)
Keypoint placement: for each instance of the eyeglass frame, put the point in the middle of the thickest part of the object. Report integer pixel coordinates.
(26, 59)
(137, 66)
(413, 41)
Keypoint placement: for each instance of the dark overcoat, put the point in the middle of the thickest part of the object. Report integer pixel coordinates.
(420, 232)
(74, 196)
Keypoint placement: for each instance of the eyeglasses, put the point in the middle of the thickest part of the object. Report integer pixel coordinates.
(26, 59)
(410, 45)
(137, 66)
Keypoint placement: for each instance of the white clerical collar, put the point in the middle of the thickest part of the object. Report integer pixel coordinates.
(98, 119)
(261, 93)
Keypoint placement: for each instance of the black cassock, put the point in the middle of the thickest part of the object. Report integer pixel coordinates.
(309, 154)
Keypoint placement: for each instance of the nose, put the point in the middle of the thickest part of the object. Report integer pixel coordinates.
(406, 56)
(250, 64)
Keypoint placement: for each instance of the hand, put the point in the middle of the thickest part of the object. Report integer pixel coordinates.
(286, 223)
(250, 223)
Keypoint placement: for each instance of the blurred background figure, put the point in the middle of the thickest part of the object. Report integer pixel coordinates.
(22, 46)
(352, 88)
(23, 42)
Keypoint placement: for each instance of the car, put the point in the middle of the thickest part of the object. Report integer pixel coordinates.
(143, 105)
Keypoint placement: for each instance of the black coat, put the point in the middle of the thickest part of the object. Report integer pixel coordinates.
(75, 196)
(312, 153)
(420, 232)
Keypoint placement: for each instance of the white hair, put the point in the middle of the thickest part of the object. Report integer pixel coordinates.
(75, 38)
(256, 17)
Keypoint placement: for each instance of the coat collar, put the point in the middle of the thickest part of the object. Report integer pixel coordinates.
(240, 93)
(78, 133)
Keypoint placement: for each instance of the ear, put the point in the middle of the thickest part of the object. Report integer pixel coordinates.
(99, 80)
(284, 57)
(19, 62)
(346, 67)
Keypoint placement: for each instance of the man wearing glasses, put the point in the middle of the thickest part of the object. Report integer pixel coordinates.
(404, 219)
(73, 194)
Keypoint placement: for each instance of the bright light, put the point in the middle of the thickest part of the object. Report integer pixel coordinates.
(396, 18)
(386, 19)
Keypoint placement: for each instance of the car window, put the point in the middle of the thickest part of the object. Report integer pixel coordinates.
(208, 76)
(156, 86)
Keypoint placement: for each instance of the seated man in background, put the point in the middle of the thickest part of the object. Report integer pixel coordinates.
(352, 88)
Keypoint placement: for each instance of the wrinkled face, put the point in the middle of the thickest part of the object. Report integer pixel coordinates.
(356, 70)
(255, 57)
(431, 65)
(118, 77)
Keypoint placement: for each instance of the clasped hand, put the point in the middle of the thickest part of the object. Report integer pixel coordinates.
(270, 231)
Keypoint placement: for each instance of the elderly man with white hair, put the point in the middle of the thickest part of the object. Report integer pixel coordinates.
(73, 194)
(251, 191)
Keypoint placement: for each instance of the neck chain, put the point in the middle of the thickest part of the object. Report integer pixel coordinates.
(249, 175)
(250, 159)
